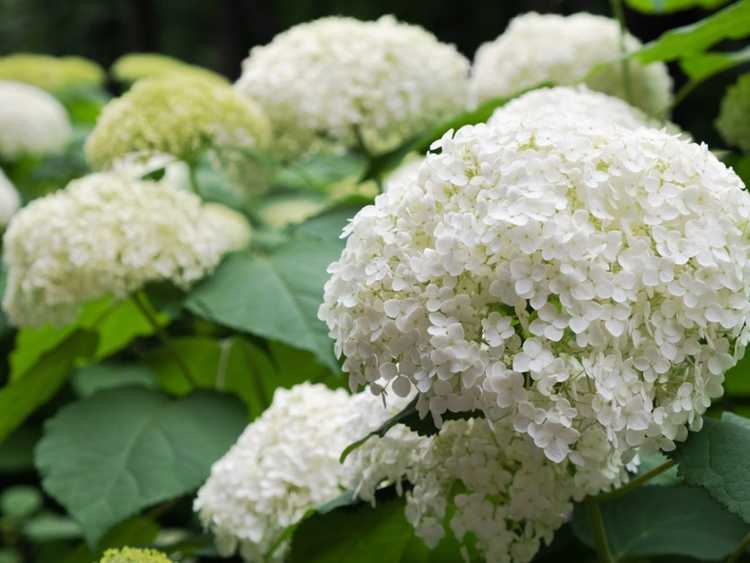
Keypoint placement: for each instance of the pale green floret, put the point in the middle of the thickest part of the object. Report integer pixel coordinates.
(133, 555)
(734, 118)
(53, 74)
(289, 210)
(136, 66)
(183, 117)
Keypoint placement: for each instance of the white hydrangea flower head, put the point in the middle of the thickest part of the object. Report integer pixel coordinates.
(732, 122)
(509, 499)
(104, 235)
(538, 48)
(183, 116)
(340, 83)
(589, 281)
(10, 201)
(285, 462)
(31, 121)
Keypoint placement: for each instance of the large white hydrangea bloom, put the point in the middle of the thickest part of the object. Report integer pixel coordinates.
(31, 121)
(587, 280)
(104, 234)
(286, 462)
(10, 201)
(339, 82)
(507, 498)
(539, 48)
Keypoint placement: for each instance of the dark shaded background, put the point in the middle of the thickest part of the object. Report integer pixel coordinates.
(219, 33)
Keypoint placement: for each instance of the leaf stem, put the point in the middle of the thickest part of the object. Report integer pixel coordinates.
(600, 531)
(739, 552)
(142, 303)
(619, 13)
(637, 482)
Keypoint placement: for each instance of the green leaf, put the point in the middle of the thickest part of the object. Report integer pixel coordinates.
(656, 520)
(294, 365)
(733, 22)
(110, 455)
(136, 532)
(20, 501)
(319, 171)
(704, 65)
(667, 6)
(652, 461)
(17, 450)
(358, 533)
(48, 527)
(275, 296)
(97, 377)
(717, 458)
(232, 365)
(737, 379)
(42, 380)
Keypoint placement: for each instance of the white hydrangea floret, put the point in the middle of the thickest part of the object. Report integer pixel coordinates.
(10, 201)
(286, 462)
(487, 485)
(339, 83)
(563, 50)
(31, 121)
(104, 235)
(587, 280)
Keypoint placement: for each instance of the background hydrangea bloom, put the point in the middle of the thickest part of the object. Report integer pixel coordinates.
(733, 123)
(53, 74)
(508, 498)
(134, 555)
(340, 82)
(182, 116)
(286, 462)
(9, 199)
(587, 280)
(539, 48)
(105, 234)
(136, 66)
(31, 121)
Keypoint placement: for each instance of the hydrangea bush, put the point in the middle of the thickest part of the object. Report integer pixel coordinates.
(370, 304)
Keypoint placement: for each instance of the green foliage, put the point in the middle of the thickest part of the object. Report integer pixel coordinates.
(16, 451)
(717, 459)
(141, 448)
(667, 6)
(656, 520)
(96, 377)
(704, 65)
(20, 501)
(39, 383)
(319, 171)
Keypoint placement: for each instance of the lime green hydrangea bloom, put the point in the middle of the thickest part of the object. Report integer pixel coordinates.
(53, 74)
(733, 122)
(133, 555)
(183, 116)
(135, 66)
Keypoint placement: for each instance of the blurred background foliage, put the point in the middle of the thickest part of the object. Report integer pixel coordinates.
(218, 34)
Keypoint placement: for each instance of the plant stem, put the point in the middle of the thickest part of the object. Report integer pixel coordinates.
(637, 482)
(600, 532)
(740, 551)
(143, 305)
(619, 13)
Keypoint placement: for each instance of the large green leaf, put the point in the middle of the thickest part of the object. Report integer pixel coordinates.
(733, 22)
(110, 455)
(39, 383)
(358, 533)
(275, 296)
(667, 6)
(658, 520)
(704, 65)
(717, 458)
(234, 365)
(97, 377)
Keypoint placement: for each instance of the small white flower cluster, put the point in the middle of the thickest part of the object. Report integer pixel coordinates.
(587, 280)
(10, 201)
(563, 50)
(338, 82)
(104, 234)
(285, 463)
(507, 498)
(31, 121)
